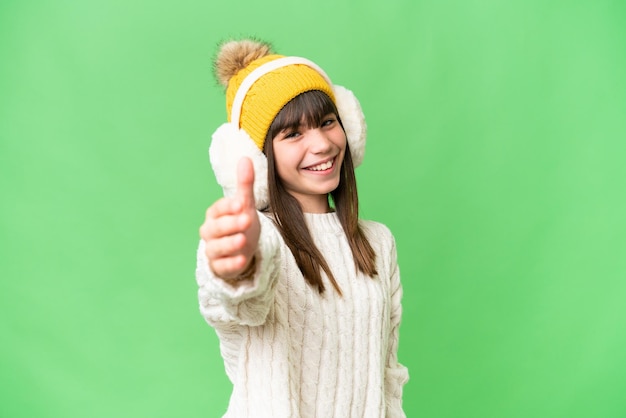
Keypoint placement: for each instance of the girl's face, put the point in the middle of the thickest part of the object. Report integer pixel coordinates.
(308, 161)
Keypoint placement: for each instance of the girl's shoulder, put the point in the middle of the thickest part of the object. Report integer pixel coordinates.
(383, 243)
(377, 232)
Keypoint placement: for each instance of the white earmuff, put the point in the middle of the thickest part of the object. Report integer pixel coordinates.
(353, 122)
(229, 144)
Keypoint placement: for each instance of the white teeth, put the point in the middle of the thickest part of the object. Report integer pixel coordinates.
(323, 166)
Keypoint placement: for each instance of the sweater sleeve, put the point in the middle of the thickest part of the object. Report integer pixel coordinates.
(396, 375)
(240, 302)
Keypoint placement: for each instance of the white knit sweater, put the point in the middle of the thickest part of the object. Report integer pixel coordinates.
(291, 352)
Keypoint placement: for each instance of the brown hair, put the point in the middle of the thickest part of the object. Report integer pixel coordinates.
(309, 109)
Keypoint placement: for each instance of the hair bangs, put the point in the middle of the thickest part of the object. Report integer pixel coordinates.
(306, 110)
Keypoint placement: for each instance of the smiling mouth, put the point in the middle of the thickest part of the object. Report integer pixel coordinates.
(322, 167)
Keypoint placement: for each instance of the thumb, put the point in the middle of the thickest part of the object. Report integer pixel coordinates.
(245, 182)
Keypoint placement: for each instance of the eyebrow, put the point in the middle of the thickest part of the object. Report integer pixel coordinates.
(303, 124)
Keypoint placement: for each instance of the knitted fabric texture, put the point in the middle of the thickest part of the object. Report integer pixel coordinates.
(271, 93)
(293, 353)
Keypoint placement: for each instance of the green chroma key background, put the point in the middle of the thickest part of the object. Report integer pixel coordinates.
(496, 155)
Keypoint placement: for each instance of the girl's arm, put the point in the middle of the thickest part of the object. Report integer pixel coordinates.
(396, 375)
(242, 300)
(235, 261)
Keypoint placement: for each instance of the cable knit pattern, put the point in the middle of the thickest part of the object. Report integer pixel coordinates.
(291, 352)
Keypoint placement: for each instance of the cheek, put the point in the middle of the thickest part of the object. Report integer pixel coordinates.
(284, 160)
(341, 141)
(340, 138)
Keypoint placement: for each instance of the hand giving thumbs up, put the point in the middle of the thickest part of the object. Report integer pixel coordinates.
(231, 227)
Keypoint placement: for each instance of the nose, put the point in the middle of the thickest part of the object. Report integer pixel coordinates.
(319, 143)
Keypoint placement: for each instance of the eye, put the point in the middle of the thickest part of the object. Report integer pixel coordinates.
(291, 134)
(328, 121)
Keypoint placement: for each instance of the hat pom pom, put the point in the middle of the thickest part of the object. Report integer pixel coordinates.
(234, 56)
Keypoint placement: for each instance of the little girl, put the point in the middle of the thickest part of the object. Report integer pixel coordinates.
(304, 296)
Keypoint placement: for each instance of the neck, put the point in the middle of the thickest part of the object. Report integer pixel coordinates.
(313, 203)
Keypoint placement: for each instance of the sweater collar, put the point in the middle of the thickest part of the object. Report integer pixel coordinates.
(325, 222)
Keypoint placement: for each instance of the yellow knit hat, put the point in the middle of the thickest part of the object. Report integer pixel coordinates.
(257, 93)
